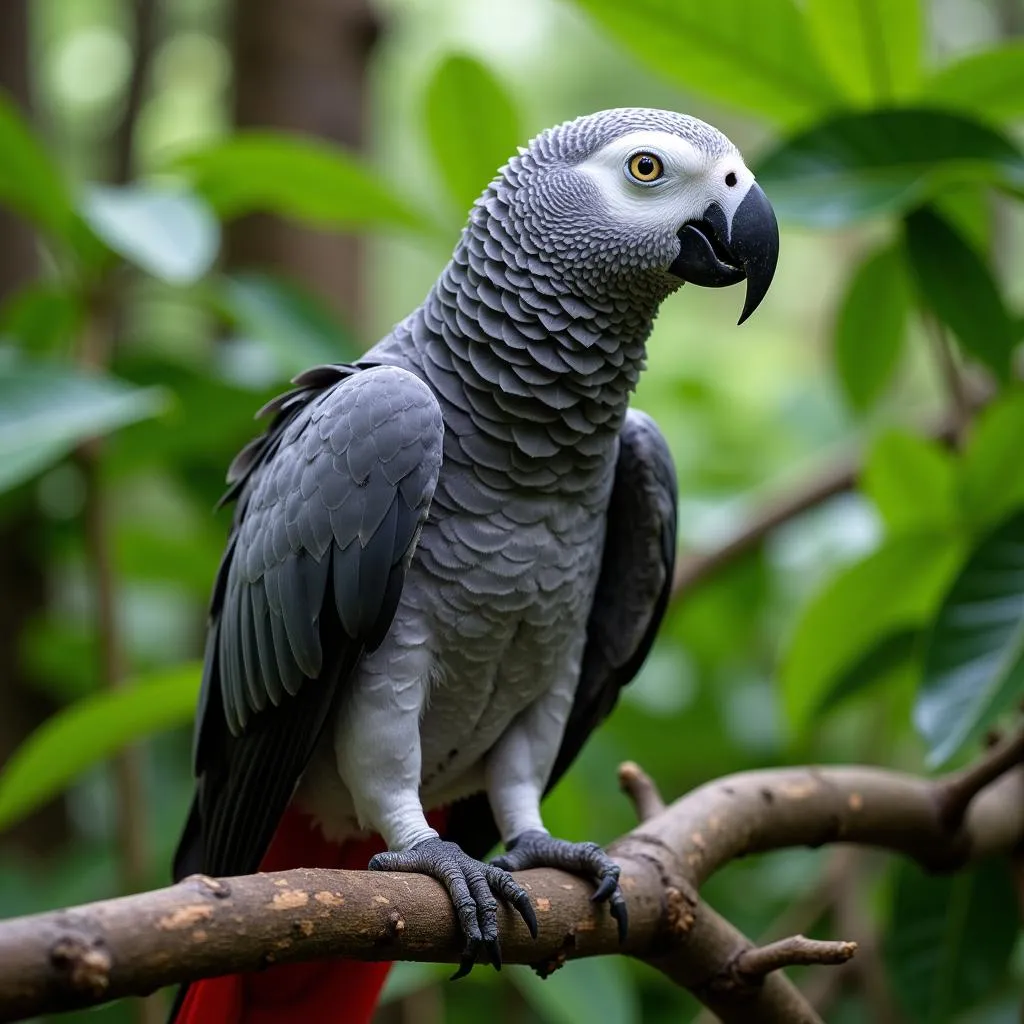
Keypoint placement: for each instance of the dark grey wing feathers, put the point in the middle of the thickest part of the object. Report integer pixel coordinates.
(330, 502)
(630, 600)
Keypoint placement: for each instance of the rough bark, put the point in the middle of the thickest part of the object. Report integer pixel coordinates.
(202, 926)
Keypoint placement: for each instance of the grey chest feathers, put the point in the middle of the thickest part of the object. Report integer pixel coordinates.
(492, 616)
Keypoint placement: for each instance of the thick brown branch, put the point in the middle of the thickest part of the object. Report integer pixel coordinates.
(204, 927)
(957, 791)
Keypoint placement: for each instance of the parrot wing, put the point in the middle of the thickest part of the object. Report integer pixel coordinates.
(331, 500)
(632, 593)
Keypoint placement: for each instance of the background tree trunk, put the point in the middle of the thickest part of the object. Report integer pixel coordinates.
(22, 581)
(302, 67)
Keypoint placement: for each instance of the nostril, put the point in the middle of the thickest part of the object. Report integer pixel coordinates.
(730, 179)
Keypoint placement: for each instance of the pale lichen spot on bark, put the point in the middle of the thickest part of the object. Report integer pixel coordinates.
(543, 904)
(199, 935)
(306, 927)
(380, 899)
(329, 899)
(185, 917)
(855, 802)
(698, 840)
(799, 790)
(289, 900)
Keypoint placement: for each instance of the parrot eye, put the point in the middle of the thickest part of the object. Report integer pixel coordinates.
(645, 167)
(730, 179)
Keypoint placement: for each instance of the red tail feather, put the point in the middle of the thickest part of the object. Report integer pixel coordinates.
(322, 992)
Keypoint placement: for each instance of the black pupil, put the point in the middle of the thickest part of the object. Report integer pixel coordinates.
(645, 166)
(730, 179)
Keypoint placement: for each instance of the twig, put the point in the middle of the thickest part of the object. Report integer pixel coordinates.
(694, 567)
(957, 791)
(641, 790)
(754, 963)
(145, 17)
(203, 927)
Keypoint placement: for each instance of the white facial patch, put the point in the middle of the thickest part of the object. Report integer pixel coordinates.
(692, 179)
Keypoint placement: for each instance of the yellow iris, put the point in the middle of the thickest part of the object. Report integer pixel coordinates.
(645, 167)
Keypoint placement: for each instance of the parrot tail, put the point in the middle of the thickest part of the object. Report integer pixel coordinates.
(322, 992)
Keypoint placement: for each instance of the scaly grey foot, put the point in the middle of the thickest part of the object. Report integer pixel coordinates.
(472, 886)
(539, 850)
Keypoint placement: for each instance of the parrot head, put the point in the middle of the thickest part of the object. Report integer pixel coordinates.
(643, 199)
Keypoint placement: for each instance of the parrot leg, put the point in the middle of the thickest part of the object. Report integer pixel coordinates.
(472, 886)
(536, 849)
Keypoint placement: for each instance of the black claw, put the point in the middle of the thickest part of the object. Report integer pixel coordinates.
(494, 953)
(526, 912)
(608, 885)
(617, 908)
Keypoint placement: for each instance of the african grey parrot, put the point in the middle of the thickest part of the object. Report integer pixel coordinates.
(448, 557)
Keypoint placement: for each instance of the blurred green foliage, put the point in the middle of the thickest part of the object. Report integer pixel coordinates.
(886, 626)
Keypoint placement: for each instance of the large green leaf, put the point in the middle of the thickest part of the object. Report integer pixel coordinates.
(472, 125)
(753, 55)
(42, 316)
(292, 323)
(860, 165)
(583, 990)
(169, 233)
(991, 481)
(889, 662)
(958, 287)
(974, 655)
(987, 84)
(912, 481)
(949, 938)
(91, 730)
(871, 326)
(897, 587)
(46, 409)
(29, 180)
(295, 177)
(872, 47)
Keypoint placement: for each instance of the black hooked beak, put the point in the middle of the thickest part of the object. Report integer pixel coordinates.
(712, 256)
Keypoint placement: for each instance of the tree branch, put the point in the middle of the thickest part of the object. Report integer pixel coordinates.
(204, 927)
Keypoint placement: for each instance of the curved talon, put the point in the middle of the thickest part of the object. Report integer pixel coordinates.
(472, 886)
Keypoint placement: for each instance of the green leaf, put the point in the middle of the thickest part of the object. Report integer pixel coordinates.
(860, 165)
(296, 326)
(958, 287)
(582, 990)
(871, 326)
(897, 587)
(892, 658)
(754, 56)
(991, 483)
(912, 481)
(91, 730)
(29, 180)
(472, 124)
(41, 316)
(872, 47)
(166, 232)
(949, 938)
(47, 409)
(974, 654)
(985, 84)
(307, 180)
